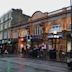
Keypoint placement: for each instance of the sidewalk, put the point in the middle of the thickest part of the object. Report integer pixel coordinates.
(39, 64)
(8, 55)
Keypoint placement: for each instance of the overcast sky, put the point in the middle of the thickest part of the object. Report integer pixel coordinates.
(30, 6)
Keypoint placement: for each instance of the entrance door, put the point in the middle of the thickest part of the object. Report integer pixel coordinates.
(59, 44)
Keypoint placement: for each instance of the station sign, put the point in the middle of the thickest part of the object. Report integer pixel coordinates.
(55, 36)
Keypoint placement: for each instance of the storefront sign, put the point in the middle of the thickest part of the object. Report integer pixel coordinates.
(55, 36)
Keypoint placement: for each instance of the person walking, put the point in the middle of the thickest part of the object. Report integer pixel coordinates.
(23, 52)
(44, 48)
(54, 53)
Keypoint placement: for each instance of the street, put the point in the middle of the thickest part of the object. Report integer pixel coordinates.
(9, 65)
(17, 64)
(14, 67)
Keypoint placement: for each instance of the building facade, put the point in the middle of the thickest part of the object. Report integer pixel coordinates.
(55, 28)
(9, 26)
(52, 28)
(36, 26)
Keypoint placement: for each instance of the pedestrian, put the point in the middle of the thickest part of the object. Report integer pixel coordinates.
(50, 52)
(6, 51)
(39, 51)
(23, 52)
(35, 51)
(44, 48)
(54, 54)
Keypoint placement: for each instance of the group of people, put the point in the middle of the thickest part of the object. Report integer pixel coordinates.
(35, 51)
(8, 49)
(3, 50)
(43, 52)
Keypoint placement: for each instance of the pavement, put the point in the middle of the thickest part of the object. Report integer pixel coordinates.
(8, 55)
(38, 64)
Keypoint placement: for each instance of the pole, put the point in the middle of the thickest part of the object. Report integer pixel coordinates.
(71, 22)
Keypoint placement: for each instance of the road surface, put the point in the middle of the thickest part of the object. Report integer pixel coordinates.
(14, 67)
(17, 64)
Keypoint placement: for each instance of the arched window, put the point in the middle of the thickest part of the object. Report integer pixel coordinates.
(55, 27)
(37, 30)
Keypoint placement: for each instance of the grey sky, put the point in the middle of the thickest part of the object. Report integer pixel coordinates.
(30, 6)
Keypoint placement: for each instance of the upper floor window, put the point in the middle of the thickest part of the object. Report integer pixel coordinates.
(6, 17)
(5, 25)
(1, 20)
(9, 24)
(37, 30)
(9, 14)
(1, 27)
(55, 27)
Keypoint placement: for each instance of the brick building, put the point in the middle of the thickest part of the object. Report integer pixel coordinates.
(54, 28)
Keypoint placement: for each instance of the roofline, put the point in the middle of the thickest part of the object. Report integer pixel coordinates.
(62, 9)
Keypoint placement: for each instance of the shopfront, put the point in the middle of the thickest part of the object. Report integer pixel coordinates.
(56, 37)
(56, 41)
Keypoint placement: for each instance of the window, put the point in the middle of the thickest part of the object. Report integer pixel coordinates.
(1, 27)
(9, 24)
(9, 14)
(2, 20)
(5, 35)
(55, 27)
(37, 30)
(5, 25)
(0, 35)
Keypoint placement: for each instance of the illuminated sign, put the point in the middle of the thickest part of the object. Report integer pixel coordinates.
(55, 36)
